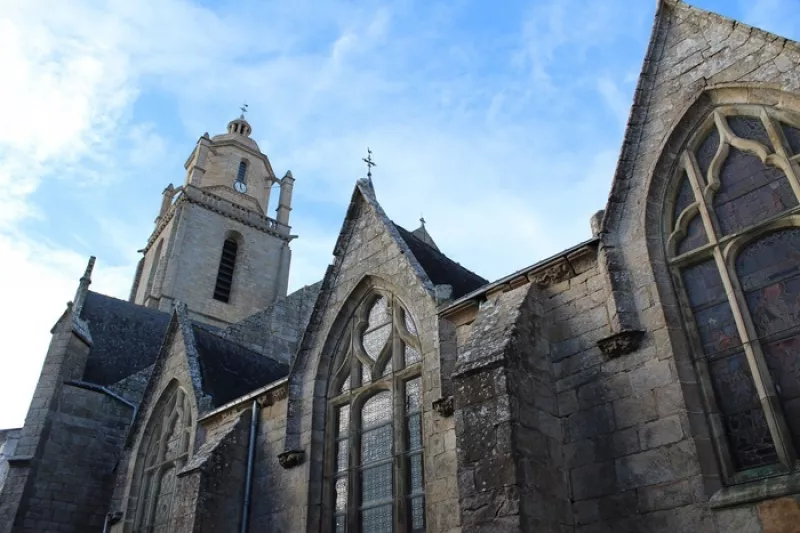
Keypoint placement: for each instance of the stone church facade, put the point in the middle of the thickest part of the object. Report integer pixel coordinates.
(645, 380)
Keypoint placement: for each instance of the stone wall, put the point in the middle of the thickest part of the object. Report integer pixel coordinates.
(260, 276)
(276, 331)
(75, 470)
(370, 254)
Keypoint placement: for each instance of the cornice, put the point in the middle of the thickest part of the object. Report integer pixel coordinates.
(222, 206)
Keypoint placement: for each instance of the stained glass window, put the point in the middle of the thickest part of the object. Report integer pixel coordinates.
(377, 436)
(165, 449)
(744, 292)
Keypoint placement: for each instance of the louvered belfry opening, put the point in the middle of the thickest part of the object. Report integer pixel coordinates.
(222, 290)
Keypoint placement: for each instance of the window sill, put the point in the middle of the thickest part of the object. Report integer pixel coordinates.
(754, 491)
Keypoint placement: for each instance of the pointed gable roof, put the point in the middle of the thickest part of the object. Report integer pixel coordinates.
(441, 269)
(126, 337)
(431, 266)
(229, 370)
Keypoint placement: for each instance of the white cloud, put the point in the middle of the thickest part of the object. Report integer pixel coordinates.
(470, 150)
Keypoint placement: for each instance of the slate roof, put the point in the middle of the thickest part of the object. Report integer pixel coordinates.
(441, 269)
(230, 370)
(126, 337)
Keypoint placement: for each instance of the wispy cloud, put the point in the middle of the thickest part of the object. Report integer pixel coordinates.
(500, 125)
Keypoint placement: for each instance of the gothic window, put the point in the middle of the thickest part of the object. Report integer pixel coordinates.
(227, 264)
(164, 450)
(734, 247)
(374, 466)
(240, 175)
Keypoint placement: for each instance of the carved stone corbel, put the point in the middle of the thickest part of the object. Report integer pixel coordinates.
(621, 343)
(291, 458)
(444, 406)
(551, 275)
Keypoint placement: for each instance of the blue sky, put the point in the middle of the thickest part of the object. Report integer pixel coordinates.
(500, 124)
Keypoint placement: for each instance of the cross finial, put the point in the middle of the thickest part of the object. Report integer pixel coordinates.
(244, 110)
(422, 220)
(370, 163)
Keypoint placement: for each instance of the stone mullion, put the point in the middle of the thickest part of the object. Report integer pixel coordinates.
(755, 359)
(352, 524)
(777, 141)
(693, 171)
(400, 467)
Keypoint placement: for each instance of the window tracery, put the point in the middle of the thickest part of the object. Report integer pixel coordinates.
(375, 463)
(165, 449)
(735, 251)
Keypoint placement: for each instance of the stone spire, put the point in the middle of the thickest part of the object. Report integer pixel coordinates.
(83, 287)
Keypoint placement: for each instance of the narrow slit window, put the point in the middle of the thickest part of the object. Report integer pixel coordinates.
(240, 176)
(227, 264)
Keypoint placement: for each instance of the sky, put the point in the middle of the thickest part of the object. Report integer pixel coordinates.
(500, 125)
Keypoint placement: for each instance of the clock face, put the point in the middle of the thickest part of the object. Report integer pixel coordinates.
(240, 186)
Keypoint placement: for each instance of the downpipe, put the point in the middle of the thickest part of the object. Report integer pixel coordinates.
(251, 455)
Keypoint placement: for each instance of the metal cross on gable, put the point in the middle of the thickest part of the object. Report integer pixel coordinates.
(370, 163)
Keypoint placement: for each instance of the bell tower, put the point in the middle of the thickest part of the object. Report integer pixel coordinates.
(214, 246)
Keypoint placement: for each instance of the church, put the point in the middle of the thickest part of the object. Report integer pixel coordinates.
(645, 380)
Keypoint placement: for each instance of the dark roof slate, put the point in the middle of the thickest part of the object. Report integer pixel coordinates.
(229, 370)
(441, 269)
(125, 337)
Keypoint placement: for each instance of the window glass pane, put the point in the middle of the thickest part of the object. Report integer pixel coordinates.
(375, 340)
(413, 395)
(769, 270)
(684, 199)
(748, 434)
(344, 419)
(705, 153)
(783, 360)
(695, 235)
(376, 484)
(346, 385)
(366, 374)
(342, 447)
(418, 514)
(415, 470)
(750, 128)
(378, 314)
(750, 192)
(339, 524)
(414, 432)
(410, 355)
(387, 369)
(712, 311)
(377, 520)
(376, 444)
(377, 409)
(341, 493)
(410, 326)
(792, 135)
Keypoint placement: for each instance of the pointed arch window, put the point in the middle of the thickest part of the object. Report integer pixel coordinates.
(734, 248)
(164, 450)
(374, 467)
(227, 265)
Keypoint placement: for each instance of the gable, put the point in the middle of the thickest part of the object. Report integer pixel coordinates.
(690, 51)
